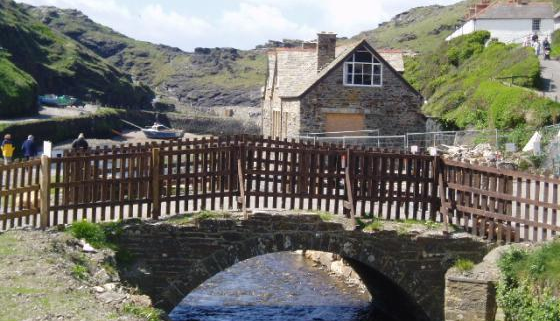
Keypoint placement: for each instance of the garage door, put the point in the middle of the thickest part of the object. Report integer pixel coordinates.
(344, 122)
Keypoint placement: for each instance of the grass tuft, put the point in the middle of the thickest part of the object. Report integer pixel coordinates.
(148, 313)
(464, 265)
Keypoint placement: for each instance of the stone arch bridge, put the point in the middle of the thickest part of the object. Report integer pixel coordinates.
(405, 272)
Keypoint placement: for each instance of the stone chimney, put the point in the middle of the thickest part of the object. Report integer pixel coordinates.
(326, 48)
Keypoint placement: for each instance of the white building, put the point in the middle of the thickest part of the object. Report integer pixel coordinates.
(511, 22)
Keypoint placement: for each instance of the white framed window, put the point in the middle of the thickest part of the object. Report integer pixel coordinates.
(536, 24)
(363, 69)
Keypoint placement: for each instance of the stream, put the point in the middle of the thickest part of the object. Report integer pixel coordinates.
(276, 287)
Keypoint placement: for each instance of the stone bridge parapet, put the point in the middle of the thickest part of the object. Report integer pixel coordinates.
(404, 271)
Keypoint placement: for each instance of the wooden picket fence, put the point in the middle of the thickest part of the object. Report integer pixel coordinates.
(150, 181)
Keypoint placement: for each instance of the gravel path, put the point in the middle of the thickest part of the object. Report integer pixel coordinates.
(54, 112)
(126, 137)
(550, 73)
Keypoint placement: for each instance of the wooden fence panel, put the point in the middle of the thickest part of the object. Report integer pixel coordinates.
(100, 187)
(19, 194)
(513, 207)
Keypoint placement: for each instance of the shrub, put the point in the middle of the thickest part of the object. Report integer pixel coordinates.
(92, 233)
(528, 288)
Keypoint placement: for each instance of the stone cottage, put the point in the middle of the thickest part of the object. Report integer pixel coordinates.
(324, 88)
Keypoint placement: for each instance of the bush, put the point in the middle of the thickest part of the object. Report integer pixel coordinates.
(529, 285)
(92, 233)
(464, 84)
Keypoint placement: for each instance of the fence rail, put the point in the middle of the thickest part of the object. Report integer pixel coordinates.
(240, 173)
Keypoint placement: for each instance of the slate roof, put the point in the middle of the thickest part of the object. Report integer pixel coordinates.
(503, 10)
(297, 68)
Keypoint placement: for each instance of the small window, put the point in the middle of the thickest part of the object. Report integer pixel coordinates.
(363, 69)
(536, 24)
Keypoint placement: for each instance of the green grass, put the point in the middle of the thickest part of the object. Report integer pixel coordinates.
(464, 265)
(466, 86)
(189, 219)
(80, 272)
(17, 90)
(376, 225)
(147, 313)
(529, 288)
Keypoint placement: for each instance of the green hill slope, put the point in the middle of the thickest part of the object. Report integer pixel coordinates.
(422, 29)
(467, 84)
(18, 90)
(418, 29)
(60, 65)
(207, 77)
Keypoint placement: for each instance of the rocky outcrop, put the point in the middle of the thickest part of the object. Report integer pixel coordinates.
(207, 77)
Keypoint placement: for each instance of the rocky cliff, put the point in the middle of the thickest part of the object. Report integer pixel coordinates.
(205, 77)
(60, 65)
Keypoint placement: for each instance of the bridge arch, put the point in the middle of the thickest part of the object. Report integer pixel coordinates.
(405, 272)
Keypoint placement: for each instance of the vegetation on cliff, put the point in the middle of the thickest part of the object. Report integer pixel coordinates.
(422, 29)
(468, 84)
(18, 90)
(529, 288)
(60, 65)
(207, 77)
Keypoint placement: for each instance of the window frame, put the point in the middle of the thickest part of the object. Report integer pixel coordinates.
(537, 23)
(352, 61)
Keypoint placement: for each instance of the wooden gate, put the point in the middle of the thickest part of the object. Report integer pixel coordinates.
(19, 194)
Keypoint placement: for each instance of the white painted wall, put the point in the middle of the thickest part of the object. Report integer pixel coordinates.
(465, 29)
(506, 30)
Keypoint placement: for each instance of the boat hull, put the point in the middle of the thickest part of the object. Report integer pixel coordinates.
(171, 134)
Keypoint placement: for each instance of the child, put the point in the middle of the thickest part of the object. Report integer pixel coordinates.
(7, 149)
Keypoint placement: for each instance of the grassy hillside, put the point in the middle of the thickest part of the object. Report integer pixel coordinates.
(200, 78)
(422, 29)
(18, 90)
(60, 65)
(419, 29)
(467, 84)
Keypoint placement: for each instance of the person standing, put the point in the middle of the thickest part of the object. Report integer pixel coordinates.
(8, 149)
(29, 148)
(80, 142)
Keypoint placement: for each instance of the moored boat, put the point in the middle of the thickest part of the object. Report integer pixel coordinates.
(59, 101)
(158, 131)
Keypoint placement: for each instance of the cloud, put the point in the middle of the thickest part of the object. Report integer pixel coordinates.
(235, 23)
(261, 22)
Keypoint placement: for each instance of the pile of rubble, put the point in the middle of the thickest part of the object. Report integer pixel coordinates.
(483, 154)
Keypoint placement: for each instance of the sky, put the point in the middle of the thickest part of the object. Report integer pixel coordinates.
(240, 24)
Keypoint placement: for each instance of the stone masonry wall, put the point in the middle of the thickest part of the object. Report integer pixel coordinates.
(393, 108)
(407, 270)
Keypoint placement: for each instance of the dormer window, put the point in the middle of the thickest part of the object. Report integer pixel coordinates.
(363, 69)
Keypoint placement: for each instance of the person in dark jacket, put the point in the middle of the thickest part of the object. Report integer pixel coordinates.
(29, 148)
(80, 142)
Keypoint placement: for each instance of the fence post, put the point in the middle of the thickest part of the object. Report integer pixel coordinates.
(242, 200)
(350, 204)
(443, 208)
(45, 190)
(156, 203)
